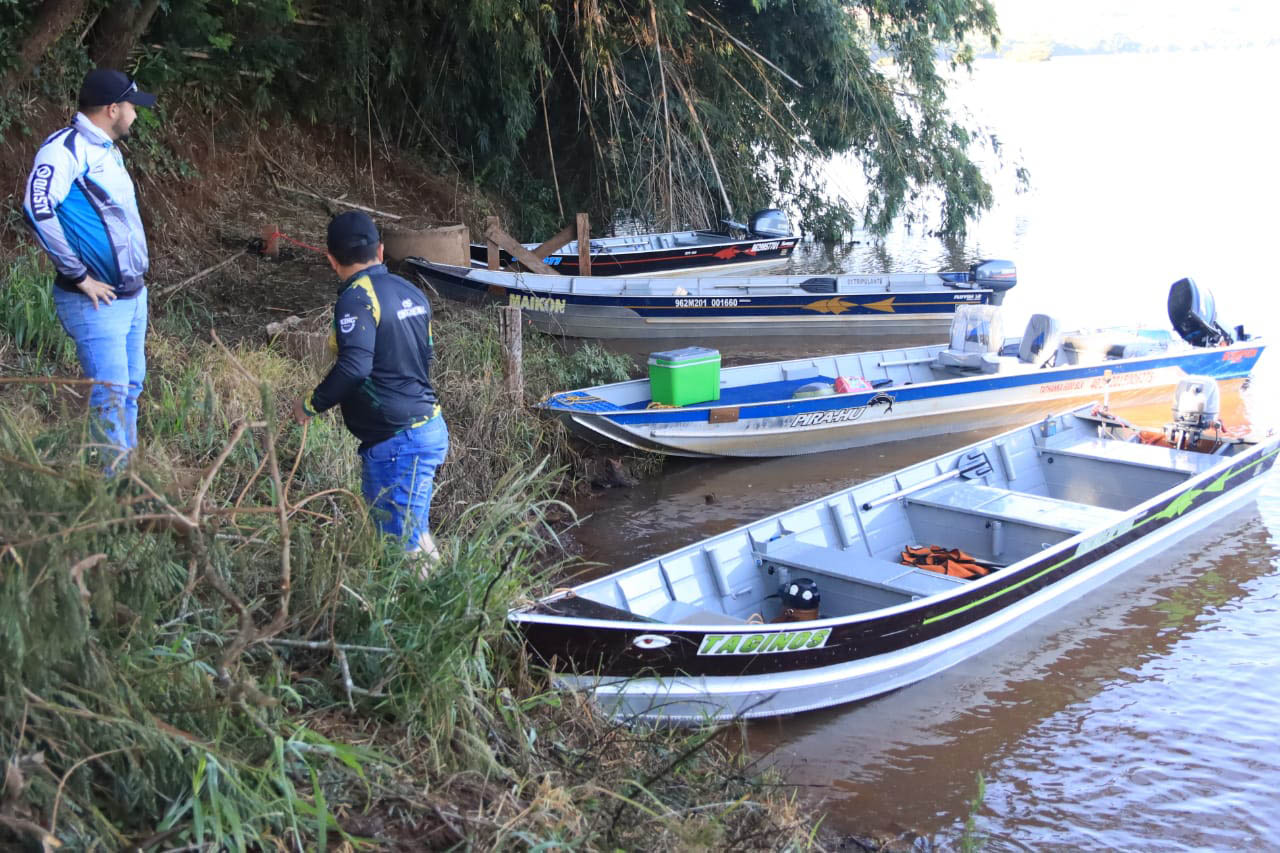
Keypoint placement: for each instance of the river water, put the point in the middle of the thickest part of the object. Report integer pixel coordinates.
(1140, 718)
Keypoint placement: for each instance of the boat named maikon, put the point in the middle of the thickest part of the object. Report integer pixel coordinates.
(904, 304)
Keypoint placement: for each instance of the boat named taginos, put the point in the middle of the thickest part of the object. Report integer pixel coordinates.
(887, 582)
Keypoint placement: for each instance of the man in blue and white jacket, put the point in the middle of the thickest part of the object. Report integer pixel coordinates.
(80, 201)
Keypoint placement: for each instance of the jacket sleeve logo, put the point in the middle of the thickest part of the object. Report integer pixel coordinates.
(41, 207)
(347, 323)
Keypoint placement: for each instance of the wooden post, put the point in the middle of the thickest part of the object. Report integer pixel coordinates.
(510, 330)
(270, 241)
(584, 244)
(491, 223)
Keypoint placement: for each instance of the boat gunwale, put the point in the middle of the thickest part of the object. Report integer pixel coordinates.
(461, 274)
(522, 615)
(602, 254)
(850, 396)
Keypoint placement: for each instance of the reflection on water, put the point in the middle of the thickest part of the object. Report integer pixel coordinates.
(1141, 717)
(1106, 721)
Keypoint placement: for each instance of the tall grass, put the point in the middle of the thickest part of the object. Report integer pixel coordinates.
(27, 316)
(219, 651)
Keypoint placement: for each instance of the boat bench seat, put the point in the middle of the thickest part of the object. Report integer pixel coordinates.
(1133, 453)
(958, 360)
(683, 613)
(856, 566)
(1020, 507)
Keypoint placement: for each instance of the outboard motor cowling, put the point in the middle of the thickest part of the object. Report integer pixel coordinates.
(996, 276)
(1194, 315)
(770, 223)
(1196, 406)
(800, 600)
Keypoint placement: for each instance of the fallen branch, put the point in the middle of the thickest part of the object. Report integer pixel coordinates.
(321, 645)
(174, 288)
(57, 800)
(331, 200)
(340, 652)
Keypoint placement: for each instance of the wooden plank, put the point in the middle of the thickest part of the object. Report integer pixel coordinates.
(584, 244)
(494, 257)
(564, 236)
(534, 264)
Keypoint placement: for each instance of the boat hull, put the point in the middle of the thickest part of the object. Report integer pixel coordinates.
(711, 256)
(634, 309)
(861, 656)
(838, 422)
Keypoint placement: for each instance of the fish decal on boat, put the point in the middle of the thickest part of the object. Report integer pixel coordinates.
(834, 305)
(642, 306)
(841, 415)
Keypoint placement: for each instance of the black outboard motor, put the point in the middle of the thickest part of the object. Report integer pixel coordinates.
(770, 223)
(1194, 315)
(997, 276)
(800, 600)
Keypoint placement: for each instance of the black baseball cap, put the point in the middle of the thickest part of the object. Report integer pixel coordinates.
(103, 86)
(349, 232)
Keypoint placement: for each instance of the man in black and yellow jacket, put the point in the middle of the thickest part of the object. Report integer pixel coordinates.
(382, 381)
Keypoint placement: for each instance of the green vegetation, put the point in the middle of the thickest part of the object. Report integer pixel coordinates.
(28, 318)
(670, 110)
(217, 650)
(971, 840)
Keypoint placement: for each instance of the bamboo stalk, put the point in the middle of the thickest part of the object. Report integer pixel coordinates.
(706, 145)
(551, 151)
(666, 114)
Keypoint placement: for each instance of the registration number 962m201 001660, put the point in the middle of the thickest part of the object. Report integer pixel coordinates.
(703, 302)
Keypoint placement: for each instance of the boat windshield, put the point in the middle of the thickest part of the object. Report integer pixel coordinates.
(976, 328)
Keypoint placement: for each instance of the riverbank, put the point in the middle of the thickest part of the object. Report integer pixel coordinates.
(218, 651)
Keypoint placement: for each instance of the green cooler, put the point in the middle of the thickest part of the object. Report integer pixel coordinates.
(680, 377)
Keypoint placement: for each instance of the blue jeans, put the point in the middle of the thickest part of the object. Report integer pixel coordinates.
(397, 478)
(110, 345)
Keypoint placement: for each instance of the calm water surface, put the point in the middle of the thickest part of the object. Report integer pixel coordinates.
(1145, 716)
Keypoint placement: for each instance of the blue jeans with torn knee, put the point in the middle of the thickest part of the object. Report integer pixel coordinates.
(397, 477)
(110, 343)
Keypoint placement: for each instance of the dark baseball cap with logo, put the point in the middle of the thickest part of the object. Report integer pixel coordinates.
(352, 237)
(103, 86)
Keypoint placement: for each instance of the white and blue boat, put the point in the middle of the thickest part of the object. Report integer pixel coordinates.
(976, 380)
(893, 304)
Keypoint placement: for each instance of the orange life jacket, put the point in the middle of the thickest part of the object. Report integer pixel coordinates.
(935, 558)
